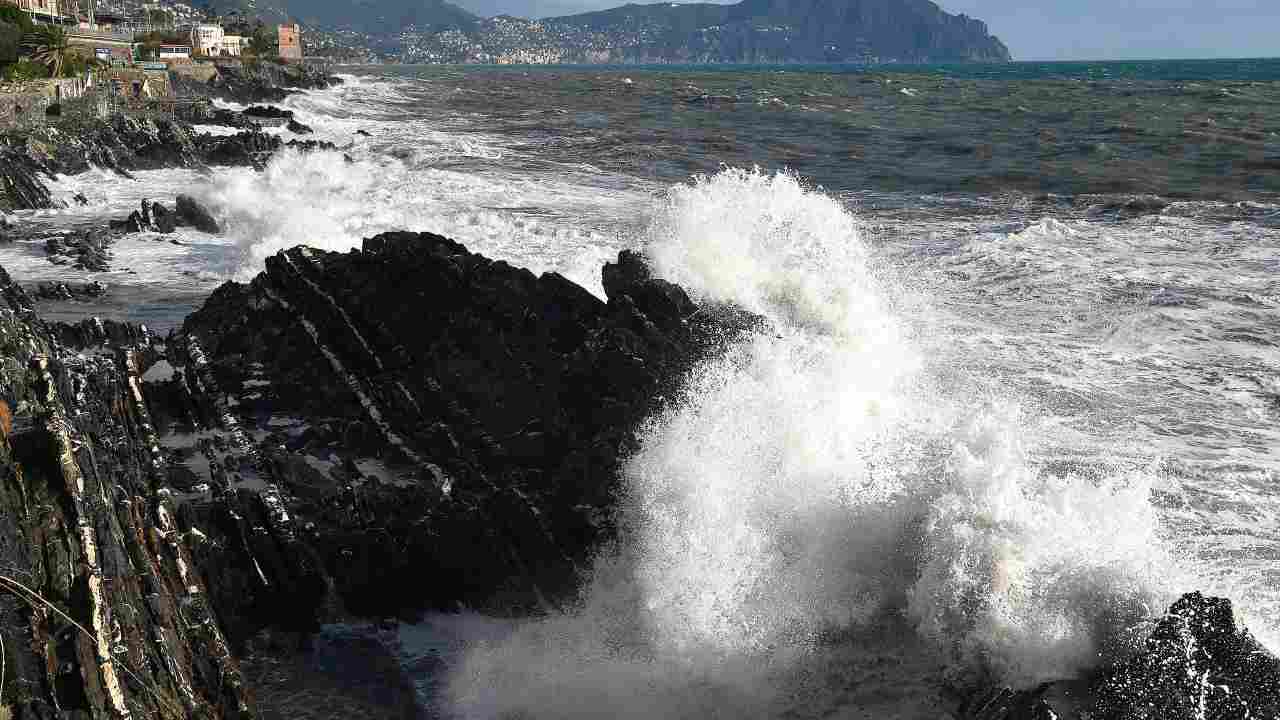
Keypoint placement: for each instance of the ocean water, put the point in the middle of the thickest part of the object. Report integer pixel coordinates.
(1023, 389)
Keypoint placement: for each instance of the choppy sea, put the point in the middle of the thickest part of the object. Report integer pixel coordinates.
(1023, 389)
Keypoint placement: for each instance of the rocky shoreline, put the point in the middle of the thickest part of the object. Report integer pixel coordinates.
(126, 142)
(302, 452)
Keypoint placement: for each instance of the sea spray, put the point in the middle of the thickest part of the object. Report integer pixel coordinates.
(810, 492)
(323, 200)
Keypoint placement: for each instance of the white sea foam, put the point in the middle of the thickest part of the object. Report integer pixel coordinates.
(812, 491)
(321, 200)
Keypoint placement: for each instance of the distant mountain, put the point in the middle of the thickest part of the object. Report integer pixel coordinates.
(752, 31)
(792, 31)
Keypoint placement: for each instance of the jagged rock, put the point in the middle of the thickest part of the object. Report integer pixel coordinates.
(249, 147)
(192, 213)
(1197, 664)
(88, 537)
(311, 145)
(86, 249)
(69, 291)
(267, 111)
(150, 217)
(298, 128)
(121, 143)
(266, 82)
(497, 410)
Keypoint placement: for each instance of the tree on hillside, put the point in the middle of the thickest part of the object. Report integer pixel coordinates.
(47, 45)
(14, 15)
(265, 41)
(10, 40)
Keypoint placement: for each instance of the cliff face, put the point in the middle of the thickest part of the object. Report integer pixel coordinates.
(102, 614)
(914, 31)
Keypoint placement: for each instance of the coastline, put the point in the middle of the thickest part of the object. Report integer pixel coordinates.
(262, 498)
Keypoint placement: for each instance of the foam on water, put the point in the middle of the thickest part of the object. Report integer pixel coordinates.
(814, 490)
(321, 200)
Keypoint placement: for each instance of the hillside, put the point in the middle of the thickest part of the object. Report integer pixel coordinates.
(751, 31)
(793, 31)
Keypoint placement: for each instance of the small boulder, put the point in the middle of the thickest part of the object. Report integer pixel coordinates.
(298, 128)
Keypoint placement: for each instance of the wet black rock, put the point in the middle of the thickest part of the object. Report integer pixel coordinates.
(68, 291)
(268, 112)
(192, 214)
(298, 128)
(150, 217)
(472, 415)
(122, 143)
(311, 145)
(1197, 663)
(87, 536)
(264, 82)
(83, 249)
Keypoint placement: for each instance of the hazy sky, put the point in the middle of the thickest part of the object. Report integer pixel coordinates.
(1064, 29)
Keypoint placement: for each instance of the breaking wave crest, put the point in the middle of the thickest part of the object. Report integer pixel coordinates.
(323, 200)
(817, 523)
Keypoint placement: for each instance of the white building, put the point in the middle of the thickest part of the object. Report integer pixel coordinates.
(175, 52)
(207, 40)
(233, 45)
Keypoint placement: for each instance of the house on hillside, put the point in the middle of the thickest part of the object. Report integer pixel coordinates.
(234, 45)
(206, 39)
(290, 37)
(41, 10)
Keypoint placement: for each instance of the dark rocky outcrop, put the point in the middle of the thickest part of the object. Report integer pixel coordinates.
(101, 610)
(298, 128)
(68, 291)
(269, 112)
(151, 217)
(262, 82)
(192, 214)
(470, 417)
(371, 434)
(85, 249)
(1196, 664)
(123, 144)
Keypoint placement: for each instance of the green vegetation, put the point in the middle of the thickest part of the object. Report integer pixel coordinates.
(12, 15)
(23, 70)
(10, 41)
(264, 42)
(47, 45)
